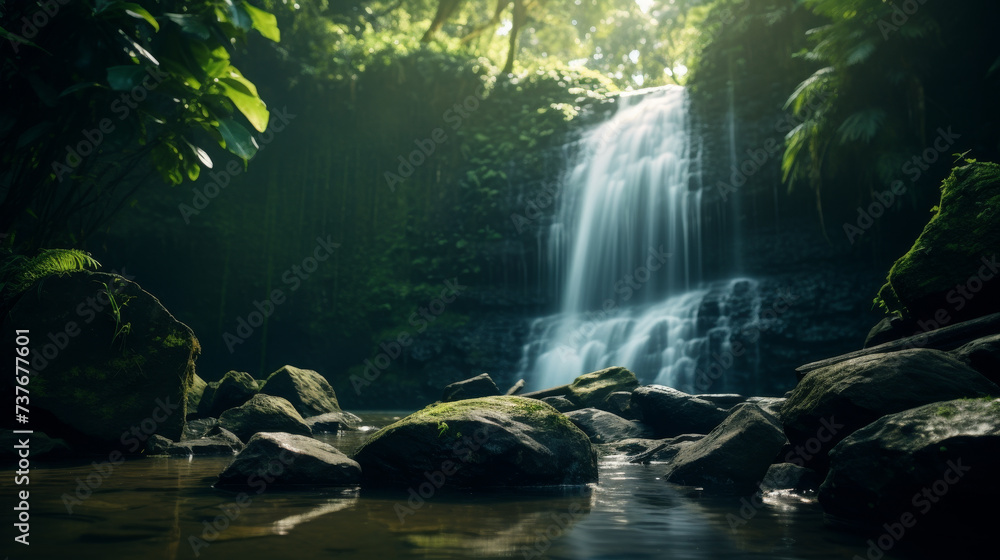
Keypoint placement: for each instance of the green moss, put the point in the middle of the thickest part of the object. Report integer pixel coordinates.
(964, 229)
(946, 411)
(531, 411)
(174, 341)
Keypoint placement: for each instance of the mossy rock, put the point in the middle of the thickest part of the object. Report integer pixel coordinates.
(904, 463)
(946, 275)
(235, 388)
(106, 357)
(501, 441)
(308, 391)
(264, 413)
(591, 389)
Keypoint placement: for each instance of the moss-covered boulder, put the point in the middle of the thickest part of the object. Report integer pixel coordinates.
(499, 441)
(947, 276)
(111, 366)
(308, 391)
(264, 413)
(936, 464)
(280, 460)
(591, 389)
(234, 389)
(832, 402)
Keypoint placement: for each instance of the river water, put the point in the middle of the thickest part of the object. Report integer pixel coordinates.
(159, 508)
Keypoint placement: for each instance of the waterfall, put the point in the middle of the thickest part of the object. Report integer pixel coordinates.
(624, 256)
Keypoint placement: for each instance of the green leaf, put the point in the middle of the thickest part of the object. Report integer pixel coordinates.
(191, 25)
(263, 22)
(124, 78)
(238, 139)
(138, 11)
(250, 105)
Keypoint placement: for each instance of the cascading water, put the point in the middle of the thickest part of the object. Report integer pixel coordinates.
(624, 255)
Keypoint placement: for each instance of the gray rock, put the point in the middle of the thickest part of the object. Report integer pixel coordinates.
(936, 463)
(649, 450)
(771, 405)
(734, 457)
(217, 441)
(280, 460)
(620, 403)
(234, 389)
(562, 404)
(195, 429)
(333, 422)
(481, 385)
(832, 402)
(671, 412)
(723, 401)
(308, 391)
(488, 442)
(787, 476)
(982, 355)
(604, 427)
(263, 413)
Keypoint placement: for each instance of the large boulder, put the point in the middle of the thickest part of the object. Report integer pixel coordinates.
(234, 389)
(308, 391)
(671, 412)
(481, 385)
(489, 442)
(280, 460)
(591, 389)
(832, 402)
(264, 413)
(934, 466)
(945, 277)
(604, 427)
(110, 365)
(195, 429)
(734, 457)
(620, 403)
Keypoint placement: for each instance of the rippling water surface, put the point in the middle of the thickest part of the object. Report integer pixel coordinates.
(154, 508)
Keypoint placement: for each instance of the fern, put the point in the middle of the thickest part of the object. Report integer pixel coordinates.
(19, 272)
